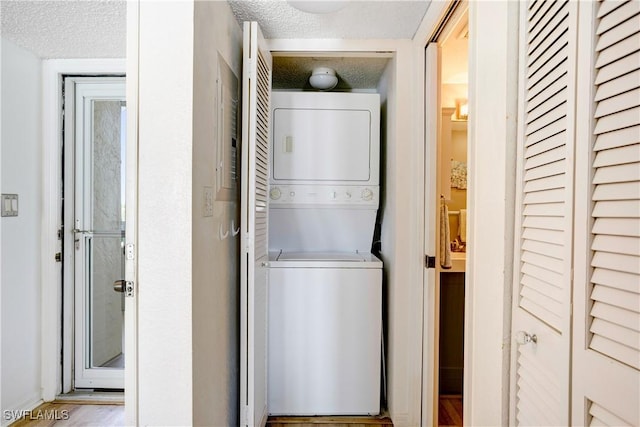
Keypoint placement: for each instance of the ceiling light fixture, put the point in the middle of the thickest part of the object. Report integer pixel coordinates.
(323, 78)
(318, 6)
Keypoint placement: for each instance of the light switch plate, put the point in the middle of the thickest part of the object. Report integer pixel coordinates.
(9, 205)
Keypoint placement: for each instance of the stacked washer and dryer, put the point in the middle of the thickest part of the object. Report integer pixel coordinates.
(325, 287)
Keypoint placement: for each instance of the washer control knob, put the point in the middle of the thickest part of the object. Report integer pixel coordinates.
(367, 194)
(347, 194)
(275, 193)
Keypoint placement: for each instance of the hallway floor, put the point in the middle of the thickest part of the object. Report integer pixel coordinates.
(68, 413)
(330, 421)
(450, 411)
(78, 413)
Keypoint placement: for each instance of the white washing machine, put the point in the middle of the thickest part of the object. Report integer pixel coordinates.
(325, 315)
(325, 288)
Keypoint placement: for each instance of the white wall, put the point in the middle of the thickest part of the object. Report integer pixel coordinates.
(215, 261)
(492, 146)
(21, 164)
(400, 242)
(165, 344)
(188, 327)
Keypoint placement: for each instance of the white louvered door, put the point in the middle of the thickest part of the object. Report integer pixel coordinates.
(256, 92)
(606, 352)
(544, 215)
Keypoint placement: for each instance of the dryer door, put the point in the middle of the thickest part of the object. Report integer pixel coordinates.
(321, 144)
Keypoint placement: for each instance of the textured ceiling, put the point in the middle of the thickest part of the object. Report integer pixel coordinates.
(66, 29)
(292, 72)
(97, 29)
(359, 19)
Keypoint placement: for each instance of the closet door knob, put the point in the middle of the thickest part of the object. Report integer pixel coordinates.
(524, 338)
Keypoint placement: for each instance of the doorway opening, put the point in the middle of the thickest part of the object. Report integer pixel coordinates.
(93, 232)
(451, 216)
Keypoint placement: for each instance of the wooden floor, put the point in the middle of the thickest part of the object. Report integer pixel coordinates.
(80, 413)
(450, 411)
(332, 421)
(70, 413)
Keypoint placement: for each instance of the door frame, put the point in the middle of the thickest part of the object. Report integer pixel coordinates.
(492, 122)
(74, 343)
(427, 118)
(402, 248)
(53, 326)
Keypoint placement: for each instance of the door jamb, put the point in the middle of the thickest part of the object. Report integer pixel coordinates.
(435, 15)
(70, 294)
(51, 339)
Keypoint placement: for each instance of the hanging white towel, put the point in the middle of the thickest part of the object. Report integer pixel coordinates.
(463, 226)
(445, 236)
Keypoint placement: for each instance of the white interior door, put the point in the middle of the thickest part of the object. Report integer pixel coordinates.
(430, 296)
(98, 228)
(544, 215)
(606, 349)
(256, 92)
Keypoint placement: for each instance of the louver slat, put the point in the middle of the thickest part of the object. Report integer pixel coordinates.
(617, 51)
(619, 86)
(629, 154)
(616, 191)
(619, 102)
(620, 31)
(602, 417)
(618, 138)
(615, 313)
(619, 68)
(616, 226)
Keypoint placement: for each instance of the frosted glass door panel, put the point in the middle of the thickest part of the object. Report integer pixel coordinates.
(321, 145)
(106, 256)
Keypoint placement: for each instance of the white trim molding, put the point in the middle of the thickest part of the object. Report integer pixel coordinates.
(52, 72)
(493, 85)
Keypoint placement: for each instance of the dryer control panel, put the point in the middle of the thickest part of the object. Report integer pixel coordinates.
(322, 196)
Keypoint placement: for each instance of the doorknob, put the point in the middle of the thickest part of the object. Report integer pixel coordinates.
(124, 286)
(119, 285)
(524, 338)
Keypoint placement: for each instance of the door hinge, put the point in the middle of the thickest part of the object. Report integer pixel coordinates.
(430, 261)
(252, 69)
(60, 234)
(244, 416)
(59, 257)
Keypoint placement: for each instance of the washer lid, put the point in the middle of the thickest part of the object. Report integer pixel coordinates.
(335, 260)
(321, 256)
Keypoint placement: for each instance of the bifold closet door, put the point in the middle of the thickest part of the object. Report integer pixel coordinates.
(256, 93)
(606, 368)
(544, 215)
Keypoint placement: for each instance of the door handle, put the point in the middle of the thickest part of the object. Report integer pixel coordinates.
(119, 285)
(523, 338)
(124, 286)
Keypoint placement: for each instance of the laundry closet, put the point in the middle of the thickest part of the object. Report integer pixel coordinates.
(316, 166)
(325, 284)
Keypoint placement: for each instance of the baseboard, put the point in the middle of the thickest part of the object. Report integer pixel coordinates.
(17, 412)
